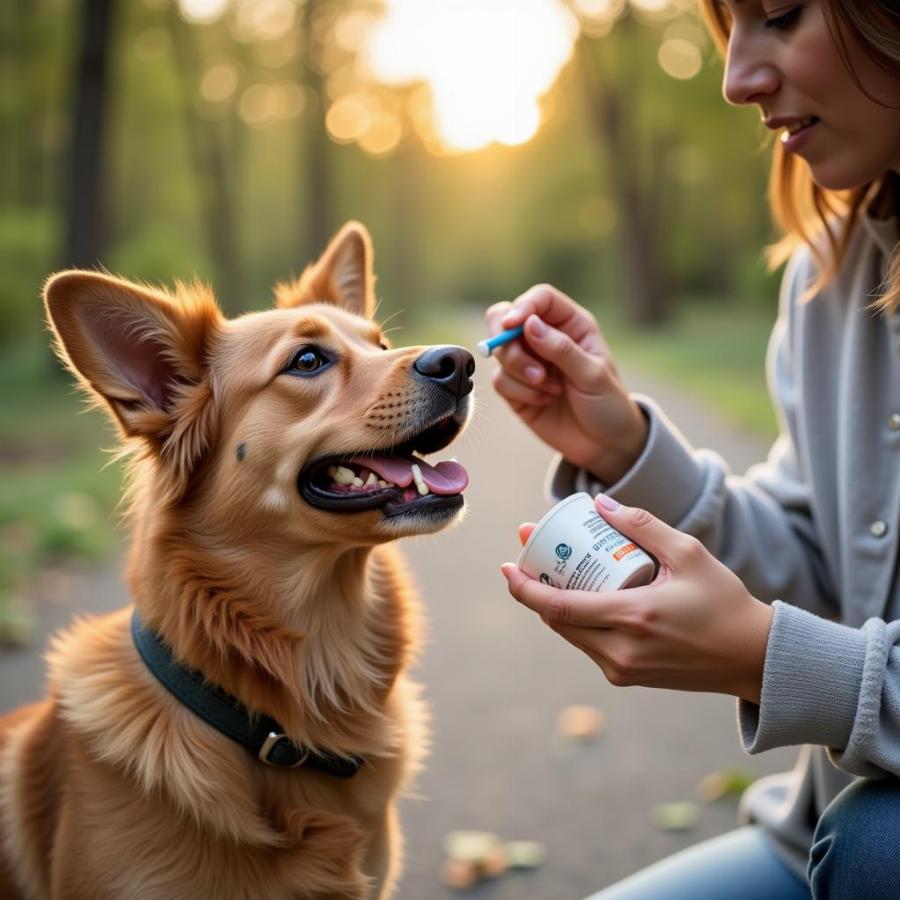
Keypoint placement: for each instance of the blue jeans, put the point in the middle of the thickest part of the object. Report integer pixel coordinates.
(855, 855)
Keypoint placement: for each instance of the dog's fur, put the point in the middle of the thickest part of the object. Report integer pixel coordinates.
(110, 788)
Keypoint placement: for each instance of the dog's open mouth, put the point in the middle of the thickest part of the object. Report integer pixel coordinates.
(393, 479)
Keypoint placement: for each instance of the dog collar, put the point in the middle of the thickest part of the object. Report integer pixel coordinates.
(262, 735)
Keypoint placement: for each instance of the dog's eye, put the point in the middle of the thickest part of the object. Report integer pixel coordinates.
(307, 361)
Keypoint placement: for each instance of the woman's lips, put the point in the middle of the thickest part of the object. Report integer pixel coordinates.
(794, 141)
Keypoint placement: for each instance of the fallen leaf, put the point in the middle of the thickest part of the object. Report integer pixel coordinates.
(470, 846)
(525, 854)
(459, 875)
(679, 816)
(580, 723)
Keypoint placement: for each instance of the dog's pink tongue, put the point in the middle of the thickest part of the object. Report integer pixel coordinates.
(445, 478)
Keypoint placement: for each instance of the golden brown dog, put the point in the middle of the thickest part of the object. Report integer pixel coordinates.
(259, 565)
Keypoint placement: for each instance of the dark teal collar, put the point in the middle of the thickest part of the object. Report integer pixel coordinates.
(261, 735)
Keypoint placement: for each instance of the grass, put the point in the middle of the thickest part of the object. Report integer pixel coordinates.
(57, 493)
(715, 353)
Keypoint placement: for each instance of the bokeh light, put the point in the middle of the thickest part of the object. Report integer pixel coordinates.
(679, 58)
(202, 11)
(383, 134)
(652, 6)
(597, 17)
(263, 20)
(219, 82)
(349, 118)
(487, 64)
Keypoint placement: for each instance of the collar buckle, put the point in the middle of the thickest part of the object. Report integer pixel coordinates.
(272, 742)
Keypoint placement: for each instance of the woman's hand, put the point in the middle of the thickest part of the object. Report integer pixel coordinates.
(695, 628)
(561, 381)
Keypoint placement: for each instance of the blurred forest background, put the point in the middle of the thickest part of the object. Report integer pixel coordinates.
(487, 145)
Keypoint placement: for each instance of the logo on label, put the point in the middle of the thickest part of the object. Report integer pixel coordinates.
(545, 579)
(563, 551)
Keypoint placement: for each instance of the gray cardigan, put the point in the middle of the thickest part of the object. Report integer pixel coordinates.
(813, 530)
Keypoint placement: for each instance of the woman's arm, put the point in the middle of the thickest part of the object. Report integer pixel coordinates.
(761, 525)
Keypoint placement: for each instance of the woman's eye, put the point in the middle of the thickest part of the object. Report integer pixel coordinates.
(307, 361)
(785, 21)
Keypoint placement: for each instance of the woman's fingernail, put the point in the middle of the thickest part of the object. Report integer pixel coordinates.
(506, 568)
(536, 326)
(534, 374)
(606, 502)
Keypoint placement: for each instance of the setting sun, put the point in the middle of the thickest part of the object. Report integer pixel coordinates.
(487, 64)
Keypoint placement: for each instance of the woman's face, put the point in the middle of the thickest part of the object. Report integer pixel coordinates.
(782, 57)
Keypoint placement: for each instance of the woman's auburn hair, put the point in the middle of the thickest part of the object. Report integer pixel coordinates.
(803, 211)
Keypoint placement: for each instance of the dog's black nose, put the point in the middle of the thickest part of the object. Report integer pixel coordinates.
(450, 367)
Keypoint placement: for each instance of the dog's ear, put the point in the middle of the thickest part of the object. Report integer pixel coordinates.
(343, 275)
(143, 353)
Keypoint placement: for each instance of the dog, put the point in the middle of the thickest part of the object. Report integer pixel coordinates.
(245, 728)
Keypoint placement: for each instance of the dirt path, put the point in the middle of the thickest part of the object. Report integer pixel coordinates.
(496, 680)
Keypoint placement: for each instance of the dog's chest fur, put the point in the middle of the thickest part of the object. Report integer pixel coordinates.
(130, 795)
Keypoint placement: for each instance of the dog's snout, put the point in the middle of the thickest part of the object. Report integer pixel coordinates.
(449, 367)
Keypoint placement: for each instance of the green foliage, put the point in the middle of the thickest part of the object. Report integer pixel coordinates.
(28, 239)
(57, 493)
(714, 350)
(159, 253)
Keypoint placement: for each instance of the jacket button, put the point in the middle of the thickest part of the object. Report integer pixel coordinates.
(878, 528)
(894, 422)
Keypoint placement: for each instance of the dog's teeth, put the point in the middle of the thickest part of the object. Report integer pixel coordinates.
(332, 471)
(357, 482)
(421, 487)
(343, 475)
(383, 483)
(371, 480)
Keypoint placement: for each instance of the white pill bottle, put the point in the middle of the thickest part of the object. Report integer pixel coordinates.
(574, 548)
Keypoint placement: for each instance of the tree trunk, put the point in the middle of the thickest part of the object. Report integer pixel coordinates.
(85, 196)
(210, 172)
(315, 180)
(406, 232)
(633, 191)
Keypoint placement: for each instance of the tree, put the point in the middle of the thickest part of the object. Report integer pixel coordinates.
(210, 171)
(85, 194)
(635, 186)
(316, 190)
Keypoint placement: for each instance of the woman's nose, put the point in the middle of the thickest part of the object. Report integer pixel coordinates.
(749, 76)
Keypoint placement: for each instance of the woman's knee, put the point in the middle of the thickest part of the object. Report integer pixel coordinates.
(856, 843)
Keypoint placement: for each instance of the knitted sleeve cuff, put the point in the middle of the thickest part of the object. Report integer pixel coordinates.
(811, 683)
(666, 479)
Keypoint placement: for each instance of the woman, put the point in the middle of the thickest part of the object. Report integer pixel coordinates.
(781, 587)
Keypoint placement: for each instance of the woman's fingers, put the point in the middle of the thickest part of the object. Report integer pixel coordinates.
(549, 304)
(525, 530)
(590, 609)
(558, 332)
(516, 393)
(669, 545)
(546, 349)
(587, 371)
